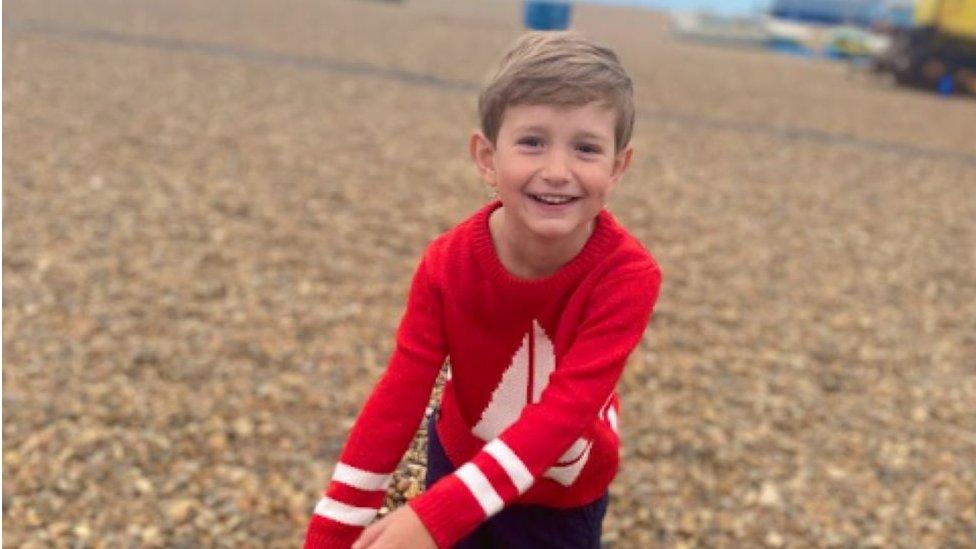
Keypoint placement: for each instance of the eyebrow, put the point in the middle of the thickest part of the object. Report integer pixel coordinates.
(581, 135)
(591, 135)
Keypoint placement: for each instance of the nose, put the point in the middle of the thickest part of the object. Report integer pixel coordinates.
(556, 169)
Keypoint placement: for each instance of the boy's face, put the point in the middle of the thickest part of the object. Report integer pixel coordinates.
(553, 167)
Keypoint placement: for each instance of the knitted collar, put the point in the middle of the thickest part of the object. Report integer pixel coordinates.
(606, 233)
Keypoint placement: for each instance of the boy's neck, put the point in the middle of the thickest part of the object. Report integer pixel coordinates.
(527, 257)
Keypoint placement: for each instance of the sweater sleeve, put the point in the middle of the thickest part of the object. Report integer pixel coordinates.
(386, 425)
(506, 467)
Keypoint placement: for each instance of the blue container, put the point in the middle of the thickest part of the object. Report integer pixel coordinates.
(947, 84)
(547, 15)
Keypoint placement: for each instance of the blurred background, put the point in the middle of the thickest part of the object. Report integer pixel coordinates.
(211, 212)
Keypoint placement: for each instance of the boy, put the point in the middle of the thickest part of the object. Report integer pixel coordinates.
(537, 299)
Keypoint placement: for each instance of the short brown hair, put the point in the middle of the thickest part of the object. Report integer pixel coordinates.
(558, 68)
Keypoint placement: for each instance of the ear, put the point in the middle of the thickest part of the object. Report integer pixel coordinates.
(621, 162)
(483, 156)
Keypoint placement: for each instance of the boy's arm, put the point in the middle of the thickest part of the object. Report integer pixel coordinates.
(386, 424)
(507, 466)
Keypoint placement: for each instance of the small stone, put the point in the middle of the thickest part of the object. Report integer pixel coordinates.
(143, 486)
(58, 529)
(687, 524)
(217, 442)
(33, 519)
(876, 540)
(83, 531)
(920, 414)
(179, 510)
(150, 535)
(243, 427)
(413, 490)
(774, 539)
(836, 473)
(769, 496)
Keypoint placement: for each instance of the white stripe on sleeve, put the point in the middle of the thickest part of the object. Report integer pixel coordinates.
(513, 465)
(359, 478)
(481, 488)
(346, 514)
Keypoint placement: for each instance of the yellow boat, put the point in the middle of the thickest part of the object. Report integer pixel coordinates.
(953, 17)
(939, 51)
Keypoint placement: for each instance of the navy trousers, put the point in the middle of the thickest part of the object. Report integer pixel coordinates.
(523, 526)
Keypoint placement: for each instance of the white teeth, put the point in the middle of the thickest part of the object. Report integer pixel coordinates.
(553, 198)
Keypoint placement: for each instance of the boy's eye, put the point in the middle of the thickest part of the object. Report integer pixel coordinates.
(530, 141)
(588, 148)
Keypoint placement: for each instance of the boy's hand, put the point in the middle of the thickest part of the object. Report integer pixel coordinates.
(400, 529)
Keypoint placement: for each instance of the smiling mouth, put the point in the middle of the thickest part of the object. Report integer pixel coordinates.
(553, 199)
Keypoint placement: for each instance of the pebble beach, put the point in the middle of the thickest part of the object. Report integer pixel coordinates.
(212, 211)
